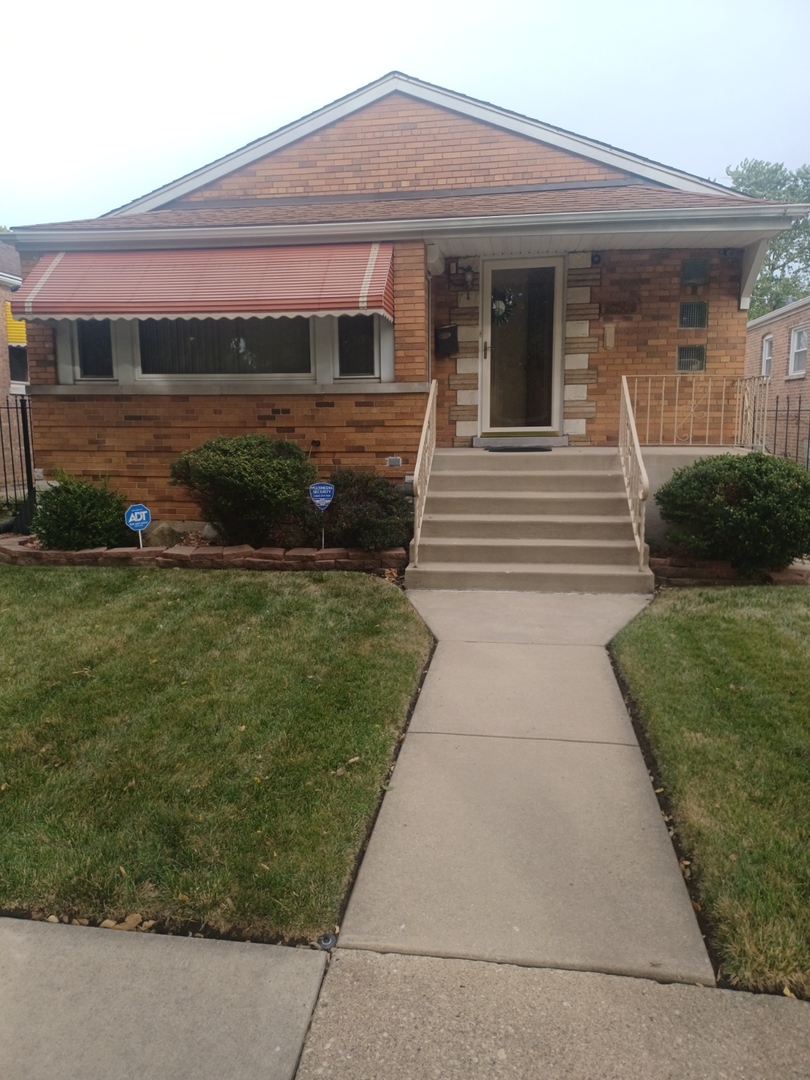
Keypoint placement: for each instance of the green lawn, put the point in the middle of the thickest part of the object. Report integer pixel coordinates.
(721, 682)
(196, 747)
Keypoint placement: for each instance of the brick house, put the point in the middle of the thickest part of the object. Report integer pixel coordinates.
(776, 347)
(313, 284)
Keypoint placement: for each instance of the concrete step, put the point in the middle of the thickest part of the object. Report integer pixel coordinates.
(557, 460)
(528, 526)
(528, 552)
(547, 577)
(545, 503)
(568, 480)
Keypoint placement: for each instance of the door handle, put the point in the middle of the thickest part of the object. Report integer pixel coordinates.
(486, 343)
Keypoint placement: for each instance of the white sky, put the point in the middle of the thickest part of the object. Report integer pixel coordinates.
(105, 101)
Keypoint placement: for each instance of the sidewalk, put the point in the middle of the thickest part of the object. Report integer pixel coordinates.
(521, 828)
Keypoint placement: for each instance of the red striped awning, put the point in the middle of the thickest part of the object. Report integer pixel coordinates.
(334, 279)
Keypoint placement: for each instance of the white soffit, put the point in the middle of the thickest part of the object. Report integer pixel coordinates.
(434, 95)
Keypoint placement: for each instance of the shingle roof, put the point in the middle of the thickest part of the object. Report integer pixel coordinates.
(281, 212)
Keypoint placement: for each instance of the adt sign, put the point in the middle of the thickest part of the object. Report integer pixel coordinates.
(322, 494)
(137, 517)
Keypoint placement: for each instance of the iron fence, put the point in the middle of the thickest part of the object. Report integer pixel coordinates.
(17, 487)
(787, 428)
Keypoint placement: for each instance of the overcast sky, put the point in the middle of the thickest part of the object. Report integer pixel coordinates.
(105, 101)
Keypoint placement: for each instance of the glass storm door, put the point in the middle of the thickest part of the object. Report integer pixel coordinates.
(519, 355)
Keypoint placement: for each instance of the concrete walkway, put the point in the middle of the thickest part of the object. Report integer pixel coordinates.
(521, 826)
(85, 1004)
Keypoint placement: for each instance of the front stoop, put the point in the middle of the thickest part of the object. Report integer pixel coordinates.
(556, 522)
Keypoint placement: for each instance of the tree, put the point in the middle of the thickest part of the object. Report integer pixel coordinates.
(785, 273)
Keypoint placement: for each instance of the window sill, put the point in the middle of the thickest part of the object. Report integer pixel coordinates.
(234, 388)
(797, 375)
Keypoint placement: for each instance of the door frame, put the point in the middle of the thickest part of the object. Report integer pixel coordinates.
(557, 349)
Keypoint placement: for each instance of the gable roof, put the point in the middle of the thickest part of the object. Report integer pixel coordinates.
(397, 82)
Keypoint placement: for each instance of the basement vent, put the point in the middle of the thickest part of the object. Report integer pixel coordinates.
(693, 315)
(695, 272)
(691, 358)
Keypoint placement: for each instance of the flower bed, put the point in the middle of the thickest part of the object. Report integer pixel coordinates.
(21, 552)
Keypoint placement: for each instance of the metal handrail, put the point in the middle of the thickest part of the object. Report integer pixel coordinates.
(689, 409)
(636, 480)
(424, 463)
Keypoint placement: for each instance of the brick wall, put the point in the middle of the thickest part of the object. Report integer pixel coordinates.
(410, 313)
(639, 293)
(133, 439)
(621, 318)
(401, 143)
(778, 325)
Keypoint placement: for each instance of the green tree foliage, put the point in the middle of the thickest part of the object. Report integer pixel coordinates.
(247, 485)
(752, 509)
(77, 515)
(785, 273)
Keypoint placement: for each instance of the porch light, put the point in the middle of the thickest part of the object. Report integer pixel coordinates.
(468, 279)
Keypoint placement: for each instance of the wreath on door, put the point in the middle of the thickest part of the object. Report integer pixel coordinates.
(503, 304)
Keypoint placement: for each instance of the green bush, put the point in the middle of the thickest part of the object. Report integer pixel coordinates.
(247, 485)
(77, 515)
(751, 509)
(368, 512)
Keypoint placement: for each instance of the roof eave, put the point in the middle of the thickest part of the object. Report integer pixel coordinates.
(747, 219)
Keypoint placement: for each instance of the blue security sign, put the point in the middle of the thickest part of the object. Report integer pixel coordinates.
(322, 494)
(137, 517)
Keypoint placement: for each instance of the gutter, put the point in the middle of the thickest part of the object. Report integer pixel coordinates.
(769, 219)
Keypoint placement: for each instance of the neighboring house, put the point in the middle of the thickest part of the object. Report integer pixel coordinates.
(10, 329)
(312, 284)
(776, 346)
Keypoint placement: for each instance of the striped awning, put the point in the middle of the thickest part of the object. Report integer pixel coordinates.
(334, 279)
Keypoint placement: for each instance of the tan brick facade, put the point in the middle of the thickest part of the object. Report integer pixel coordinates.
(629, 298)
(399, 143)
(133, 439)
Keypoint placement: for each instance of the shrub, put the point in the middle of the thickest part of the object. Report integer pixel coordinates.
(77, 515)
(368, 512)
(751, 509)
(247, 485)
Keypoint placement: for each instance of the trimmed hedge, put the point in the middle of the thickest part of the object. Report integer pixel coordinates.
(76, 514)
(368, 512)
(751, 509)
(247, 485)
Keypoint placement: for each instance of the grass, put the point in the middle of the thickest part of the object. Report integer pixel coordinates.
(721, 682)
(196, 747)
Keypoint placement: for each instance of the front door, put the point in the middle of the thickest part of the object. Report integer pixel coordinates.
(521, 332)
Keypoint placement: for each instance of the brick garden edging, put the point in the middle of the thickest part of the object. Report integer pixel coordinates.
(680, 571)
(19, 552)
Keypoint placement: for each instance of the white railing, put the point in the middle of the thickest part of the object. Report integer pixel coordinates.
(424, 462)
(635, 475)
(704, 410)
(752, 412)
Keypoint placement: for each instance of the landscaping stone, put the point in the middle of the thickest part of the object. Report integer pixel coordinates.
(86, 557)
(20, 551)
(161, 535)
(208, 558)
